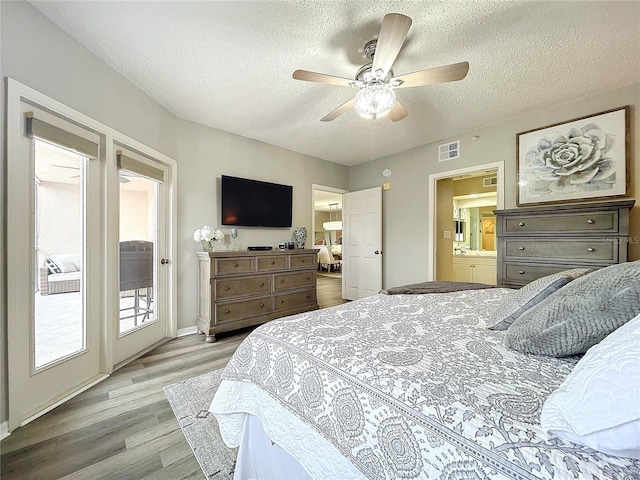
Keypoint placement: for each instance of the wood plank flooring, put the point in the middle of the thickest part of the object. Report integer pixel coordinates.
(123, 428)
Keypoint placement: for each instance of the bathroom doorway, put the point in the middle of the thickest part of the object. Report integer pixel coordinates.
(462, 222)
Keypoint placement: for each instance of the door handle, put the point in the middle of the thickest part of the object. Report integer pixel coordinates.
(378, 252)
(164, 261)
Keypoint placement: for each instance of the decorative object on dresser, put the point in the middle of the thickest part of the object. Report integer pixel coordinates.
(583, 158)
(300, 235)
(234, 236)
(207, 235)
(538, 241)
(240, 289)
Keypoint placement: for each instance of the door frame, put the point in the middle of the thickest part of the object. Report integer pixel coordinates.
(17, 93)
(433, 178)
(325, 188)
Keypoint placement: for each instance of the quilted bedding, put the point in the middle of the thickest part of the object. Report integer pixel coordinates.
(404, 386)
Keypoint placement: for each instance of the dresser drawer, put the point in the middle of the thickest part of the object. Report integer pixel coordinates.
(238, 287)
(285, 281)
(232, 311)
(561, 248)
(520, 273)
(266, 264)
(601, 222)
(302, 261)
(224, 266)
(286, 301)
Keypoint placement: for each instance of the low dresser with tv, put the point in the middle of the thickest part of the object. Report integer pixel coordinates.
(240, 289)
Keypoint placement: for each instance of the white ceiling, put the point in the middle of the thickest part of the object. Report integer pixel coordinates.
(322, 199)
(228, 64)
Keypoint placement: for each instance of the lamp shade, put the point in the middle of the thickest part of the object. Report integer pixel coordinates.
(375, 100)
(335, 225)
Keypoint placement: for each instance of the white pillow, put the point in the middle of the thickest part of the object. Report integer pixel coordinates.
(68, 262)
(598, 405)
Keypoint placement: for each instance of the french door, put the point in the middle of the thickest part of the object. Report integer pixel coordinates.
(144, 263)
(90, 281)
(54, 251)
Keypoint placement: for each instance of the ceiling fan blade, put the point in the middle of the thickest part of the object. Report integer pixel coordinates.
(398, 112)
(321, 78)
(446, 73)
(338, 111)
(390, 40)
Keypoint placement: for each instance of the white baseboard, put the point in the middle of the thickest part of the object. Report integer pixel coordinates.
(187, 331)
(4, 430)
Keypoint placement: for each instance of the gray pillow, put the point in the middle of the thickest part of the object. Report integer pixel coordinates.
(518, 302)
(579, 315)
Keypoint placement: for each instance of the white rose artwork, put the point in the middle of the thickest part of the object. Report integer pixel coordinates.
(575, 160)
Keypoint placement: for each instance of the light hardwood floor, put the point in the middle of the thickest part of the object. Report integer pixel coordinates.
(124, 428)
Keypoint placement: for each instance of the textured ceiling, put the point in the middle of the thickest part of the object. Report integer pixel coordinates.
(228, 64)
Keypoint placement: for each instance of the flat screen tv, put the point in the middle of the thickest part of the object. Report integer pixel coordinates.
(251, 203)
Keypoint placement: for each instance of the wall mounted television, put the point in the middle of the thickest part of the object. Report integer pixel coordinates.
(252, 203)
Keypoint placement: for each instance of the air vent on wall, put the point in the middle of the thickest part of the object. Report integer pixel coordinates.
(449, 151)
(490, 182)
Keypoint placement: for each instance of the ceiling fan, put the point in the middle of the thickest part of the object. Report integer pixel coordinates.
(376, 81)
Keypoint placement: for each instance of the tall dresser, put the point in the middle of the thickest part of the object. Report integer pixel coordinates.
(538, 241)
(240, 289)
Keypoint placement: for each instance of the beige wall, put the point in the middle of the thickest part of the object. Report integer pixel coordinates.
(467, 186)
(405, 205)
(136, 215)
(444, 223)
(59, 219)
(204, 155)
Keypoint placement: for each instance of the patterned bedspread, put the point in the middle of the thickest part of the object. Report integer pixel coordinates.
(404, 386)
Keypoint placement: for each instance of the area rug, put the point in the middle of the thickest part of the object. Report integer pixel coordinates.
(190, 400)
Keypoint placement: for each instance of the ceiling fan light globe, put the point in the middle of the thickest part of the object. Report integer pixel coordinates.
(375, 100)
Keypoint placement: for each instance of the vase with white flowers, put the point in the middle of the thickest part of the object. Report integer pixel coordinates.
(207, 235)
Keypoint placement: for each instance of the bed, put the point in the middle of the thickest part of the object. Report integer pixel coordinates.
(399, 386)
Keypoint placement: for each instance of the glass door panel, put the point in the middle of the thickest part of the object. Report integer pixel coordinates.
(138, 249)
(59, 329)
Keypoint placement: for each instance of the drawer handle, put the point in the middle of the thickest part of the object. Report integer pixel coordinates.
(262, 305)
(273, 262)
(521, 272)
(227, 311)
(520, 248)
(308, 297)
(591, 249)
(303, 260)
(308, 278)
(521, 224)
(281, 282)
(281, 301)
(591, 222)
(236, 266)
(226, 288)
(262, 284)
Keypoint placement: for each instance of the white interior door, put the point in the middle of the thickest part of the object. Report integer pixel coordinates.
(54, 254)
(362, 243)
(143, 261)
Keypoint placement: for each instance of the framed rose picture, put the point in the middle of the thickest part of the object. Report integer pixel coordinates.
(581, 159)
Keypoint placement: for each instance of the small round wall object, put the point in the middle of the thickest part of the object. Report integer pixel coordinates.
(386, 173)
